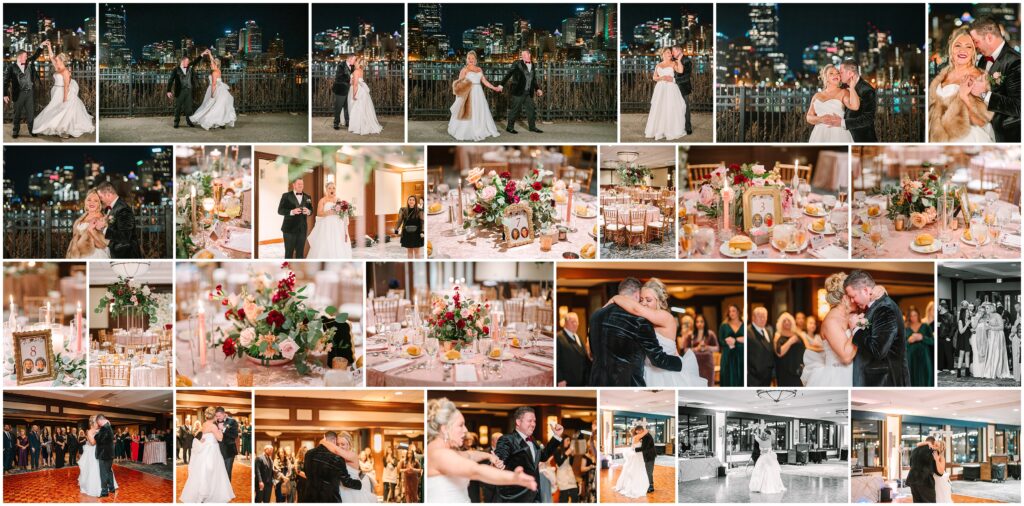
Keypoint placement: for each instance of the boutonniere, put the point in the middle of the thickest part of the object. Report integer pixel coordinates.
(861, 322)
(995, 79)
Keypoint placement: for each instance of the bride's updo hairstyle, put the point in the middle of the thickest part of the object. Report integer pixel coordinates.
(209, 413)
(440, 413)
(471, 54)
(655, 285)
(823, 75)
(963, 31)
(347, 436)
(835, 289)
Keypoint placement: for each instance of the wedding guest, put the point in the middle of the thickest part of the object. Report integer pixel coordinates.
(947, 339)
(73, 447)
(704, 346)
(411, 478)
(685, 333)
(300, 472)
(263, 467)
(762, 357)
(24, 450)
(588, 465)
(963, 340)
(390, 475)
(1015, 342)
(367, 467)
(410, 226)
(573, 368)
(35, 442)
(9, 448)
(60, 444)
(789, 350)
(47, 448)
(731, 341)
(800, 318)
(284, 467)
(565, 476)
(474, 488)
(920, 347)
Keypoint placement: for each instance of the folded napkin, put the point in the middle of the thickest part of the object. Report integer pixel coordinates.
(377, 347)
(537, 359)
(465, 373)
(239, 241)
(1010, 240)
(830, 252)
(394, 364)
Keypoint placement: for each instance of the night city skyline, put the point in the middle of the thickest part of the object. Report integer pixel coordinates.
(632, 16)
(23, 164)
(374, 31)
(386, 17)
(24, 23)
(64, 15)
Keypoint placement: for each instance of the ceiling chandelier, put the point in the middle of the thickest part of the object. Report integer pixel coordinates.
(129, 270)
(777, 395)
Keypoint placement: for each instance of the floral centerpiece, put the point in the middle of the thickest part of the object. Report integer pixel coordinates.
(457, 321)
(495, 192)
(273, 325)
(914, 199)
(203, 183)
(344, 209)
(633, 174)
(126, 293)
(729, 184)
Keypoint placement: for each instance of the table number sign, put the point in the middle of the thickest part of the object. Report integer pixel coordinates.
(517, 222)
(33, 356)
(762, 207)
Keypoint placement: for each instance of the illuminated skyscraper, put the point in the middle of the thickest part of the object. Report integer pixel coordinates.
(114, 51)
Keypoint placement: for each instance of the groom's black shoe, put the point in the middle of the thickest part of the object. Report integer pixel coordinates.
(536, 130)
(190, 124)
(34, 134)
(511, 130)
(14, 135)
(175, 125)
(336, 127)
(650, 490)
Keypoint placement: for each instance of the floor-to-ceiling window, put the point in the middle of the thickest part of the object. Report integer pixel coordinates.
(739, 434)
(623, 424)
(965, 444)
(867, 442)
(695, 434)
(913, 434)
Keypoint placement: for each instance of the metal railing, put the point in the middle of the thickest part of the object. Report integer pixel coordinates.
(386, 80)
(637, 86)
(129, 92)
(47, 232)
(747, 114)
(84, 74)
(572, 91)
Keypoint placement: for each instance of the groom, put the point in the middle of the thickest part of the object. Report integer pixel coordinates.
(524, 85)
(1002, 64)
(647, 448)
(683, 81)
(619, 343)
(295, 206)
(23, 78)
(105, 455)
(921, 477)
(860, 123)
(179, 88)
(881, 359)
(518, 449)
(340, 88)
(122, 234)
(228, 444)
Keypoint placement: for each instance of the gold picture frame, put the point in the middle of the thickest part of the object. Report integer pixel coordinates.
(27, 347)
(517, 222)
(761, 207)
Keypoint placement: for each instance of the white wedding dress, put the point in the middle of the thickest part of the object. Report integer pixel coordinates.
(977, 134)
(943, 489)
(365, 495)
(766, 478)
(217, 109)
(989, 345)
(689, 376)
(329, 239)
(208, 480)
(89, 472)
(828, 133)
(633, 481)
(63, 118)
(480, 124)
(667, 118)
(823, 369)
(447, 490)
(362, 116)
(97, 253)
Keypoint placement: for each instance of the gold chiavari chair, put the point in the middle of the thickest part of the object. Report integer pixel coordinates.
(637, 228)
(788, 170)
(385, 309)
(115, 375)
(697, 172)
(498, 167)
(656, 228)
(514, 310)
(1004, 183)
(612, 228)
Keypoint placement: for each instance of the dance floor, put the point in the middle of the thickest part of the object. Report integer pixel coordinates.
(734, 488)
(61, 486)
(947, 379)
(664, 486)
(241, 481)
(976, 492)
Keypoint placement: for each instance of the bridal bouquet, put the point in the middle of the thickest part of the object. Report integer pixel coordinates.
(458, 321)
(495, 192)
(344, 209)
(127, 293)
(914, 199)
(274, 323)
(737, 178)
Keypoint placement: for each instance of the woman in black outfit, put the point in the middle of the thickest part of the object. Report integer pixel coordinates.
(963, 340)
(789, 352)
(410, 226)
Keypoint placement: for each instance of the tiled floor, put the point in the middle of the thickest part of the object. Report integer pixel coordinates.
(734, 489)
(61, 486)
(664, 487)
(241, 481)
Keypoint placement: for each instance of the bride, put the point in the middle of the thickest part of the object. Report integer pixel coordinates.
(329, 238)
(218, 107)
(65, 115)
(363, 118)
(633, 481)
(653, 307)
(471, 114)
(88, 466)
(667, 118)
(832, 100)
(208, 479)
(343, 449)
(451, 469)
(87, 239)
(832, 367)
(954, 115)
(989, 344)
(943, 488)
(766, 478)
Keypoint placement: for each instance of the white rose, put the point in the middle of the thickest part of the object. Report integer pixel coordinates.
(246, 337)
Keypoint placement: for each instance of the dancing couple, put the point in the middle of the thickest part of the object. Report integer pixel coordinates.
(212, 461)
(217, 109)
(669, 117)
(636, 479)
(928, 478)
(333, 473)
(352, 94)
(471, 118)
(95, 467)
(64, 116)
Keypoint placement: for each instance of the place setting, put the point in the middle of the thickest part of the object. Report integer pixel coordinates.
(213, 202)
(638, 202)
(519, 202)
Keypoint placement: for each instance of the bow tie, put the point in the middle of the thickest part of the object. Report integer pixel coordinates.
(106, 209)
(988, 59)
(529, 439)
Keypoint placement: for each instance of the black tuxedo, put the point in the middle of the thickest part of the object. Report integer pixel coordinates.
(340, 88)
(325, 474)
(573, 363)
(8, 450)
(620, 342)
(182, 84)
(72, 449)
(522, 84)
(22, 90)
(1005, 98)
(122, 233)
(861, 123)
(881, 359)
(265, 475)
(186, 438)
(229, 443)
(514, 451)
(105, 455)
(650, 454)
(685, 87)
(756, 454)
(294, 227)
(921, 477)
(760, 357)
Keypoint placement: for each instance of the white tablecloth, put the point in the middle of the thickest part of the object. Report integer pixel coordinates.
(154, 452)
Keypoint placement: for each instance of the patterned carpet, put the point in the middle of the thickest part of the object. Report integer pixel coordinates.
(61, 486)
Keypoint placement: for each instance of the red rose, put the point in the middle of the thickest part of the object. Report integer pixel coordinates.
(486, 330)
(241, 313)
(734, 167)
(515, 199)
(228, 347)
(510, 187)
(739, 179)
(168, 326)
(449, 316)
(275, 319)
(534, 197)
(505, 175)
(537, 185)
(478, 208)
(285, 265)
(228, 314)
(461, 324)
(224, 302)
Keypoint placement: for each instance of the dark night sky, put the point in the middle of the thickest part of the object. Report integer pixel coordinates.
(457, 18)
(634, 14)
(957, 9)
(20, 162)
(65, 15)
(387, 18)
(802, 25)
(149, 23)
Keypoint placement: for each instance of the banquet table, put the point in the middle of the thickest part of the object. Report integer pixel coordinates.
(233, 242)
(154, 452)
(832, 170)
(144, 372)
(382, 371)
(148, 338)
(691, 469)
(485, 243)
(897, 245)
(58, 337)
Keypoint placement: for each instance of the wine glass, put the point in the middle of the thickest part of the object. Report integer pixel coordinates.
(879, 233)
(839, 224)
(829, 203)
(979, 232)
(431, 346)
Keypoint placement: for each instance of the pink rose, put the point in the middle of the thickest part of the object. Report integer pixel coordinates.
(918, 220)
(488, 193)
(246, 337)
(758, 170)
(288, 348)
(707, 195)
